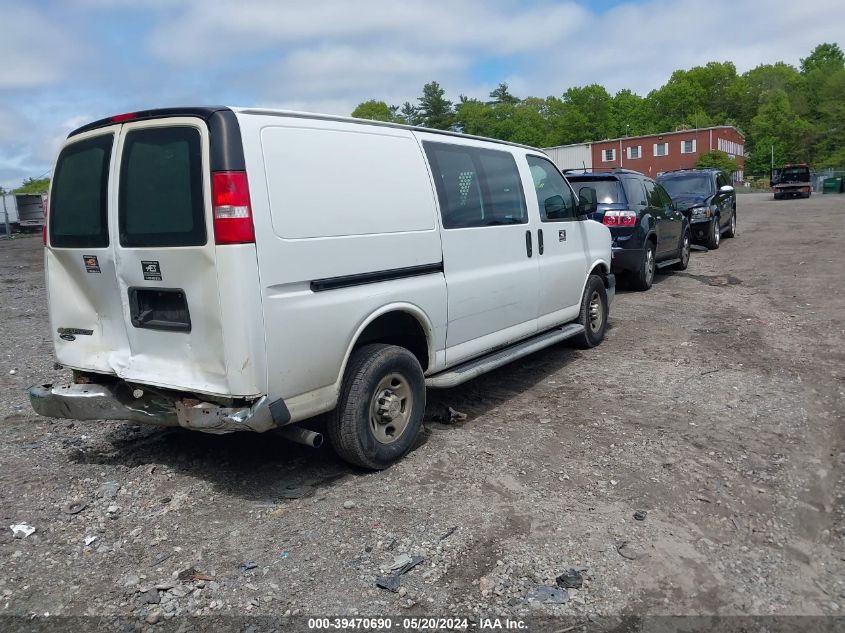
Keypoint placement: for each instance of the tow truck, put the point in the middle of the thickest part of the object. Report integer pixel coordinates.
(791, 181)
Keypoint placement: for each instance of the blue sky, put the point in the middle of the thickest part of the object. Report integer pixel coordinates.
(71, 61)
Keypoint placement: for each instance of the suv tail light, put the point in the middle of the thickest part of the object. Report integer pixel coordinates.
(232, 211)
(619, 218)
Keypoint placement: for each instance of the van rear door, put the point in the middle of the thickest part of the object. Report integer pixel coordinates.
(132, 276)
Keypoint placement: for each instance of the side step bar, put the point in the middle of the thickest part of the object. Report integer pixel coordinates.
(668, 262)
(469, 370)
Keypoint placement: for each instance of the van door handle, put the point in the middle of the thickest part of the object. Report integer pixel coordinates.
(528, 248)
(540, 241)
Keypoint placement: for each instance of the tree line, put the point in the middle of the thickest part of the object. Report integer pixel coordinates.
(797, 112)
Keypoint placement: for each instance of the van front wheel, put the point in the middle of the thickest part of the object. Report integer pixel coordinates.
(381, 405)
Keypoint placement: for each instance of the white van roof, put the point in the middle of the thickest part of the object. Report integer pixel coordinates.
(206, 111)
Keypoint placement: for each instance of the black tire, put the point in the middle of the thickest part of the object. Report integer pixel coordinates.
(352, 426)
(594, 313)
(683, 252)
(731, 232)
(715, 235)
(644, 277)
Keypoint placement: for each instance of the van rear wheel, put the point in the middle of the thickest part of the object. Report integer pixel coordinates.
(593, 315)
(381, 405)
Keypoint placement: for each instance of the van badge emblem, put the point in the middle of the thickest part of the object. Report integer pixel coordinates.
(67, 337)
(151, 270)
(561, 236)
(92, 265)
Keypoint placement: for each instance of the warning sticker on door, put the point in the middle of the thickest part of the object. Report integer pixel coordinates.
(152, 270)
(92, 265)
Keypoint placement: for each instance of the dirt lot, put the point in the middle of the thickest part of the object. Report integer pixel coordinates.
(715, 405)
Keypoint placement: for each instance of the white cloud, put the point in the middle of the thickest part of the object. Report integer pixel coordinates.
(33, 51)
(213, 28)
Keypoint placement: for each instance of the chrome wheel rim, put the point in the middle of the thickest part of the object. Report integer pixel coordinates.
(717, 234)
(596, 311)
(649, 264)
(686, 250)
(391, 408)
(733, 224)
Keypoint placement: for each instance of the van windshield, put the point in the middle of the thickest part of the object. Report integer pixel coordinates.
(161, 199)
(78, 215)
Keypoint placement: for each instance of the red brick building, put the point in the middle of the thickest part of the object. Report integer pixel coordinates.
(656, 153)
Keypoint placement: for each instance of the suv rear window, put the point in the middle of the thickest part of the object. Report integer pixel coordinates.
(78, 215)
(161, 192)
(607, 189)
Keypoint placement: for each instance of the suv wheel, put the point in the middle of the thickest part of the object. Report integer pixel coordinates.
(731, 232)
(715, 234)
(684, 252)
(643, 278)
(381, 405)
(593, 315)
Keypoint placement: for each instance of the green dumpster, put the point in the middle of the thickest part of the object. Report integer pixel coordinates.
(832, 185)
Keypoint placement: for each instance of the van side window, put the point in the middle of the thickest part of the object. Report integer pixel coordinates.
(476, 187)
(554, 196)
(78, 215)
(161, 197)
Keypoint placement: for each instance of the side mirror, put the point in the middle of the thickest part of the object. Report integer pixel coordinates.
(587, 201)
(726, 188)
(555, 207)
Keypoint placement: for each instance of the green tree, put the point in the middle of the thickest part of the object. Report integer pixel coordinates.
(409, 114)
(629, 114)
(34, 185)
(825, 57)
(373, 110)
(676, 102)
(779, 129)
(587, 109)
(718, 160)
(501, 95)
(434, 109)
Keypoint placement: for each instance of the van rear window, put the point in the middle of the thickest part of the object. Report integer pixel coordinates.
(161, 192)
(79, 198)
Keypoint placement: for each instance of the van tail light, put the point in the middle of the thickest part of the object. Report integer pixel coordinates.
(232, 211)
(619, 218)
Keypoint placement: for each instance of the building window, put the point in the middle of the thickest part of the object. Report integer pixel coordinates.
(608, 155)
(688, 147)
(729, 147)
(661, 149)
(635, 152)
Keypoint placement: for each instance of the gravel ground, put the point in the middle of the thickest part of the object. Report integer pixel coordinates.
(714, 406)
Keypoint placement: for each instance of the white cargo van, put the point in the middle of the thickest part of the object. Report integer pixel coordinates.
(226, 269)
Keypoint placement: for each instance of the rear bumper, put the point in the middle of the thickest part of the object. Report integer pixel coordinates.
(107, 402)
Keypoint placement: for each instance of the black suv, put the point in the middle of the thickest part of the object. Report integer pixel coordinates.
(647, 231)
(707, 198)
